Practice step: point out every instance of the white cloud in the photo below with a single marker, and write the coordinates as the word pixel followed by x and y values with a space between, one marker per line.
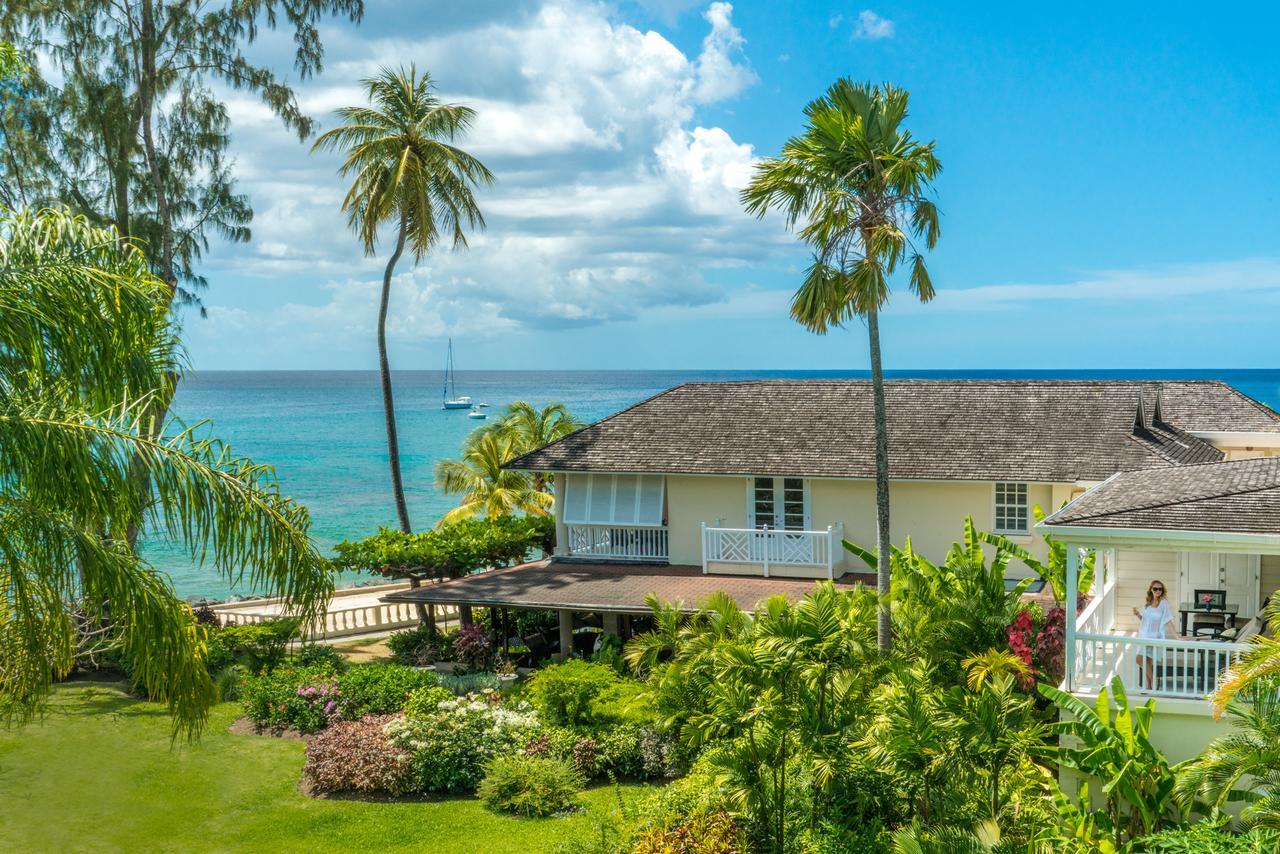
pixel 611 197
pixel 835 21
pixel 872 26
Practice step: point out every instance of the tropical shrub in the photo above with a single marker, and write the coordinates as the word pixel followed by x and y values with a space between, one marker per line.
pixel 563 693
pixel 320 655
pixel 423 702
pixel 609 653
pixel 449 749
pixel 356 756
pixel 660 754
pixel 625 701
pixel 420 646
pixel 227 683
pixel 1137 782
pixel 703 833
pixel 1207 839
pixel 473 649
pixel 463 684
pixel 529 786
pixel 1242 766
pixel 305 699
pixel 260 646
pixel 379 689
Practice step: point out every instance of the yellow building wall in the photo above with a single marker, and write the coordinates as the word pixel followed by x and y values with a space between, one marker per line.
pixel 1270 576
pixel 693 500
pixel 931 513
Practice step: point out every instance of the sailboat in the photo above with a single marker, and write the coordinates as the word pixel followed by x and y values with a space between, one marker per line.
pixel 450 397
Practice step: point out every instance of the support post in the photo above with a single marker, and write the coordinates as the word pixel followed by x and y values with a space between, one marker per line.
pixel 566 635
pixel 464 615
pixel 431 621
pixel 704 548
pixel 831 553
pixel 1071 596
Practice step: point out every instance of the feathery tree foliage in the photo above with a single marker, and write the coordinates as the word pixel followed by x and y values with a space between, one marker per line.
pixel 1257 665
pixel 859 183
pixel 407 172
pixel 1244 766
pixel 488 489
pixel 126 129
pixel 86 347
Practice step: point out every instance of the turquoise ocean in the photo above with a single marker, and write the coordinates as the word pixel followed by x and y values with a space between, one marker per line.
pixel 323 432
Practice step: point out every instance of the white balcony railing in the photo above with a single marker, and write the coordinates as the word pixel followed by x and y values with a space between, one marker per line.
pixel 620 542
pixel 768 547
pixel 1166 668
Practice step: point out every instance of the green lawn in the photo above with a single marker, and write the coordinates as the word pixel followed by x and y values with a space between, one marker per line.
pixel 99 774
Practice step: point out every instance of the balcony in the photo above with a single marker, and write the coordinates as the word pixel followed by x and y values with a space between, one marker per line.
pixel 766 551
pixel 618 542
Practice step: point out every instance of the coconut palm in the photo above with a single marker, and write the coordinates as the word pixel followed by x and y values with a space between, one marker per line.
pixel 485 487
pixel 1244 765
pixel 407 173
pixel 86 350
pixel 532 428
pixel 858 183
pixel 1260 662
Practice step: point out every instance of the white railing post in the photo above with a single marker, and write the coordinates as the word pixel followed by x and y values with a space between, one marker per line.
pixel 831 553
pixel 1069 646
pixel 706 544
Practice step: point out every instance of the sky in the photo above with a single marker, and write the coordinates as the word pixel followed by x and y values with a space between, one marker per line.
pixel 1108 195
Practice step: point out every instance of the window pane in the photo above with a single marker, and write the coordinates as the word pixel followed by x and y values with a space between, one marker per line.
pixel 649 511
pixel 575 498
pixel 601 498
pixel 624 505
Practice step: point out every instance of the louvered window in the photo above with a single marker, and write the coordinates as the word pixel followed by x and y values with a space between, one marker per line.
pixel 614 499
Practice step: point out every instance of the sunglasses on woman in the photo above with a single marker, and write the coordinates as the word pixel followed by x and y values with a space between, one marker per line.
pixel 1157 589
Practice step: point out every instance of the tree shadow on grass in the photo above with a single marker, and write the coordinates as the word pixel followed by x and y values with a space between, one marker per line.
pixel 86 698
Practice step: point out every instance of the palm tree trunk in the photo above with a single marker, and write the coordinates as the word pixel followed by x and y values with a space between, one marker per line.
pixel 388 399
pixel 883 552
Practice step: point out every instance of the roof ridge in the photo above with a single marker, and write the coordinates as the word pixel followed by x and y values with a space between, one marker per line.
pixel 1257 404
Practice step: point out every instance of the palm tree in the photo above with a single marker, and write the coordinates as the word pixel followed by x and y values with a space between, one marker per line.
pixel 487 489
pixel 1241 766
pixel 859 182
pixel 1259 663
pixel 86 350
pixel 531 428
pixel 407 172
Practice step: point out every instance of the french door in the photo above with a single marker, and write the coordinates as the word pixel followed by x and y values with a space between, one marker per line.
pixel 776 505
pixel 1236 573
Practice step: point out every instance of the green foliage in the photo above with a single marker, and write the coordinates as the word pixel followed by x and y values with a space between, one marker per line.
pixel 1242 766
pixel 1137 782
pixel 424 702
pixel 305 699
pixel 1208 839
pixel 321 655
pixel 704 833
pixel 450 551
pixel 449 749
pixel 624 702
pixel 1055 570
pixel 420 646
pixel 257 646
pixel 227 682
pixel 87 358
pixel 563 693
pixel 529 786
pixel 609 653
pixel 379 689
pixel 464 684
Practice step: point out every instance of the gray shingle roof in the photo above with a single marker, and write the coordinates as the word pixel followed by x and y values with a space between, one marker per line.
pixel 1027 430
pixel 1241 496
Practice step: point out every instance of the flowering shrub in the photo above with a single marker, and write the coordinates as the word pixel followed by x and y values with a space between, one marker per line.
pixel 605 751
pixel 379 689
pixel 449 749
pixel 426 701
pixel 660 754
pixel 304 698
pixel 529 786
pixel 356 756
pixel 1020 635
pixel 471 646
pixel 1039 645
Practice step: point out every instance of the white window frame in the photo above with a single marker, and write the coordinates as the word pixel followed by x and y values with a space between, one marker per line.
pixel 997 504
pixel 778 493
pixel 610 482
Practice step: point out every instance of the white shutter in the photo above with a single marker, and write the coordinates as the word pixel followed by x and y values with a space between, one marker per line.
pixel 626 494
pixel 575 497
pixel 649 500
pixel 600 499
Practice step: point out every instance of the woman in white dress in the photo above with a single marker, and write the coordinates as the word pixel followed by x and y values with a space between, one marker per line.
pixel 1155 620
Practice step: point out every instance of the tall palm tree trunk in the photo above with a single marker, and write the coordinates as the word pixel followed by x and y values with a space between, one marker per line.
pixel 388 398
pixel 883 553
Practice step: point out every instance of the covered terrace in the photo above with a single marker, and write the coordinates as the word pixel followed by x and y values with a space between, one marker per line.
pixel 601 594
pixel 1211 533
